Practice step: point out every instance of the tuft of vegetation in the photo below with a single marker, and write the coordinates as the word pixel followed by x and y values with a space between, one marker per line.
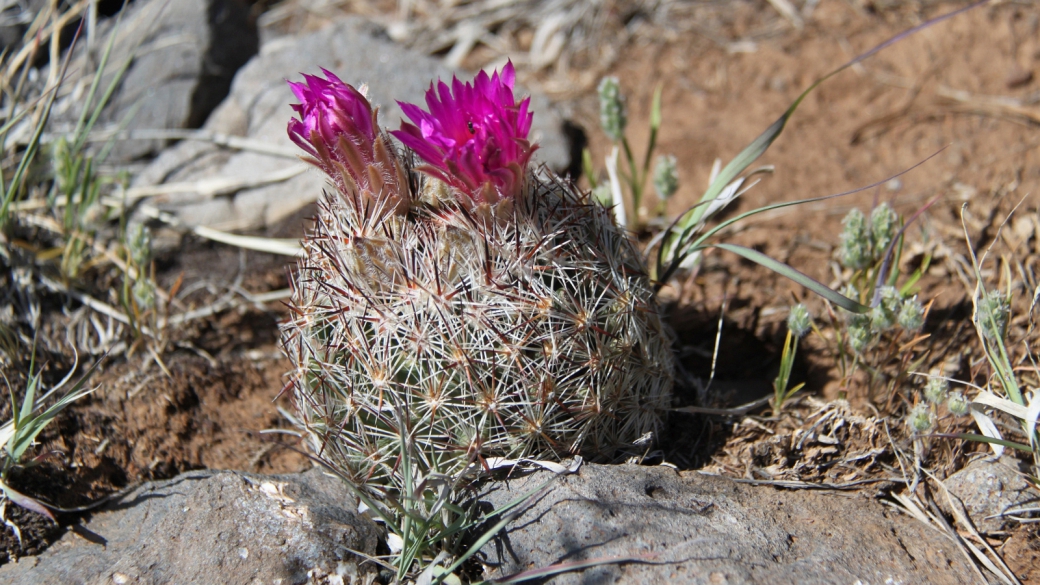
pixel 28 420
pixel 625 187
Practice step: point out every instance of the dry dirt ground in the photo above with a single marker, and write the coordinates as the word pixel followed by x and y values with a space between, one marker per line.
pixel 962 94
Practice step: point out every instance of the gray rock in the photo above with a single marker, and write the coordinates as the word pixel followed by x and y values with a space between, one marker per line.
pixel 258 108
pixel 692 528
pixel 990 487
pixel 213 527
pixel 185 54
pixel 15 16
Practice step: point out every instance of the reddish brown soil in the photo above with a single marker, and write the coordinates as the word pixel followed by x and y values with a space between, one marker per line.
pixel 204 407
pixel 861 127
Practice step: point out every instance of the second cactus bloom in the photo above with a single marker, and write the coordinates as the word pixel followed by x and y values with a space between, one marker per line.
pixel 474 137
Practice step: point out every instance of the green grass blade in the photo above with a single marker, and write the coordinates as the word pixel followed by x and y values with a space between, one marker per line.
pixel 513 511
pixel 81 139
pixel 568 566
pixel 799 277
pixel 587 169
pixel 915 276
pixel 34 143
pixel 700 242
pixel 655 125
pixel 985 439
pixel 28 427
pixel 79 133
pixel 28 401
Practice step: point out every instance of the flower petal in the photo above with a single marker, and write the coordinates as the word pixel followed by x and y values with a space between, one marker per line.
pixel 474 133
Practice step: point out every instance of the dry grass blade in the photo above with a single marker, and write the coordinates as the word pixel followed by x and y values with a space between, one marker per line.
pixel 788 11
pixel 1000 106
pixel 908 503
pixel 988 398
pixel 209 188
pixel 283 247
pixel 13 67
pixel 217 138
pixel 991 560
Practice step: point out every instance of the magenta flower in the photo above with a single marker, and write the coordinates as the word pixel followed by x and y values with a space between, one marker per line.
pixel 474 137
pixel 338 129
pixel 331 109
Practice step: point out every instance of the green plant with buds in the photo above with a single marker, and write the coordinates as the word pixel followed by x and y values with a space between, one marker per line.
pixel 139 295
pixel 799 323
pixel 77 183
pixel 666 180
pixel 936 390
pixel 613 115
pixel 931 401
pixel 630 180
pixel 991 314
pixel 1004 391
pixel 920 419
pixel 880 341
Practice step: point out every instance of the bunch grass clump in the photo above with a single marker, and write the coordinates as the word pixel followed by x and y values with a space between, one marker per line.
pixel 881 342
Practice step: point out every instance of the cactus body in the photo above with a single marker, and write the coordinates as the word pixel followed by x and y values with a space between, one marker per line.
pixel 453 331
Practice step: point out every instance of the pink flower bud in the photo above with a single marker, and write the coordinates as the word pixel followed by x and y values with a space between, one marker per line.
pixel 338 129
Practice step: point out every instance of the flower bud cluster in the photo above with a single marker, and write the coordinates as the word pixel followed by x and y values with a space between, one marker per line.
pixel 144 293
pixel 139 244
pixel 612 116
pixel 958 404
pixel 992 310
pixel 936 390
pixel 884 224
pixel 920 419
pixel 860 333
pixel 891 311
pixel 666 176
pixel 855 241
pixel 911 315
pixel 799 321
pixel 863 242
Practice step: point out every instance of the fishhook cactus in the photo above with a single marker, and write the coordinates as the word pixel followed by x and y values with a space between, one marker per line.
pixel 467 309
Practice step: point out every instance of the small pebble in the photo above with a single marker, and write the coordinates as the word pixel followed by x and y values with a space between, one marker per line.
pixel 1018 77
